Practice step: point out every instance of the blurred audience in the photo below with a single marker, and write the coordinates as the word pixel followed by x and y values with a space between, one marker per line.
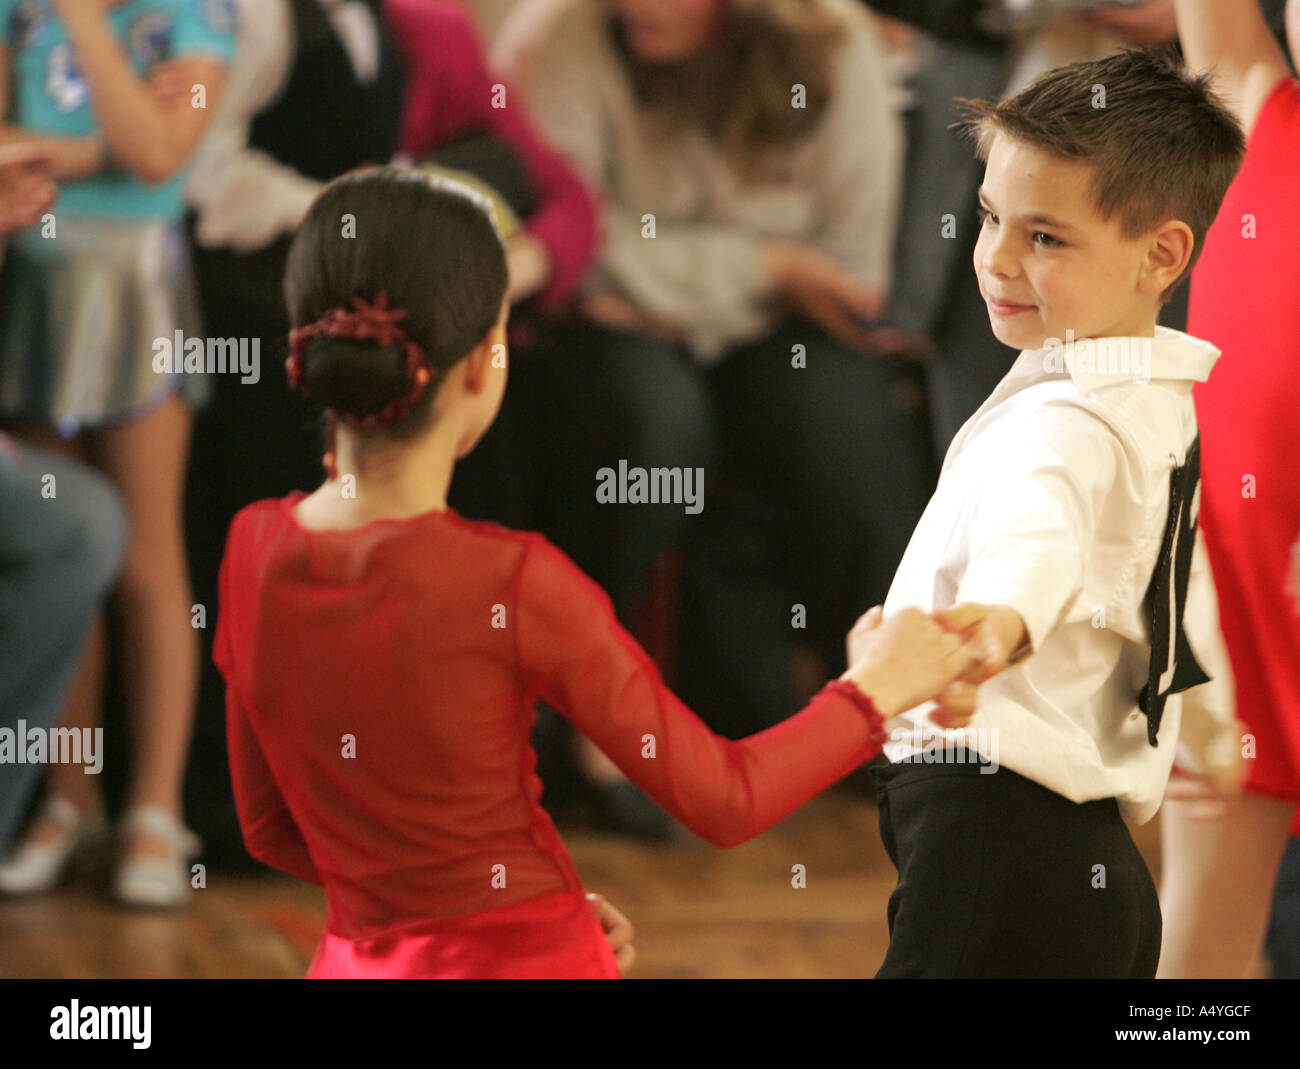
pixel 58 554
pixel 86 293
pixel 749 162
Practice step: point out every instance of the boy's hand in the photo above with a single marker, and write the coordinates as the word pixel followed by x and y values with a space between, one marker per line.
pixel 996 632
pixel 908 659
pixel 618 930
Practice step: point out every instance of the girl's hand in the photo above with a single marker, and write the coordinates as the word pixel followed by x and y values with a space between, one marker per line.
pixel 1206 794
pixel 170 82
pixel 908 659
pixel 26 190
pixel 618 930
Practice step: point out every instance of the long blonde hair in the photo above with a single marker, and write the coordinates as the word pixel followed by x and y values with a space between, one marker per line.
pixel 739 91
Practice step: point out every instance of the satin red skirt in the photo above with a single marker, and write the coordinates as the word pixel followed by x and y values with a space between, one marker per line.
pixel 555 937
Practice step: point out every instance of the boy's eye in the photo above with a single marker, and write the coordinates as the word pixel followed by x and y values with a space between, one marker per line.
pixel 985 216
pixel 1047 239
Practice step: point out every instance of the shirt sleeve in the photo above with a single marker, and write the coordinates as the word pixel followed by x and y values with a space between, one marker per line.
pixel 244 198
pixel 205 26
pixel 1036 514
pixel 270 832
pixel 574 654
pixel 1209 731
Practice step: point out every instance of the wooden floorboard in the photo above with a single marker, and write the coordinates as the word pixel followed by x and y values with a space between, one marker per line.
pixel 699 911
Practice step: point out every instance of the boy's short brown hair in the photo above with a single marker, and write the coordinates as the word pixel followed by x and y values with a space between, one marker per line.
pixel 1161 143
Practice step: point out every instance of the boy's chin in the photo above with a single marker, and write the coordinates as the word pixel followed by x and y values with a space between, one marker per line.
pixel 1028 336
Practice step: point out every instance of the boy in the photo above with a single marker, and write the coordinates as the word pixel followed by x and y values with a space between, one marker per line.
pixel 1063 528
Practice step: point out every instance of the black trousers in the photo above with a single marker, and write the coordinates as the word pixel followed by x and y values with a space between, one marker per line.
pixel 1001 877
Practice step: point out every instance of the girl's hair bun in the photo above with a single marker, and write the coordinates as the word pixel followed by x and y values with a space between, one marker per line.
pixel 354 377
pixel 386 243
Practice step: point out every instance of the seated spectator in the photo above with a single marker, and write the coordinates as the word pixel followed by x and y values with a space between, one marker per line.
pixel 749 161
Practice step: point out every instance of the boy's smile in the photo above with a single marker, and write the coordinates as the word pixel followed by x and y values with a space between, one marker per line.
pixel 1048 263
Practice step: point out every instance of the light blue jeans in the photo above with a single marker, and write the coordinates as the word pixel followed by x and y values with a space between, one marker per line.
pixel 59 554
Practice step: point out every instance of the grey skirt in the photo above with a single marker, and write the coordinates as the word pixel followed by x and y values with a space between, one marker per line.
pixel 84 317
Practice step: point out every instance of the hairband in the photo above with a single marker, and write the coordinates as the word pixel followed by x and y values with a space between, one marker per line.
pixel 368 321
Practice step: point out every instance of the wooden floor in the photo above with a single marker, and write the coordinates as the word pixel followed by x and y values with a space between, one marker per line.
pixel 699 911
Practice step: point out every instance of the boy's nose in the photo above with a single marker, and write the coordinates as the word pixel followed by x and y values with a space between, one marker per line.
pixel 998 258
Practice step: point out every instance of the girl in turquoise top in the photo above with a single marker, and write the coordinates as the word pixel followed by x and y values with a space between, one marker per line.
pixel 86 293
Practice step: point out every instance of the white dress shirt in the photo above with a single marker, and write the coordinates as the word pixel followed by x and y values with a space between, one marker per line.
pixel 1053 500
pixel 245 199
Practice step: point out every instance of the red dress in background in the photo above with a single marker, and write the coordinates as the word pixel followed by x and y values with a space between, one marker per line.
pixel 380 689
pixel 1245 299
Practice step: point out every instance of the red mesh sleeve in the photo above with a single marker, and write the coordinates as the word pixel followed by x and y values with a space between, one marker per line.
pixel 576 656
pixel 270 832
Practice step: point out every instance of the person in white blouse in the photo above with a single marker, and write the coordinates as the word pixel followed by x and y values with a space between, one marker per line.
pixel 1063 528
pixel 244 197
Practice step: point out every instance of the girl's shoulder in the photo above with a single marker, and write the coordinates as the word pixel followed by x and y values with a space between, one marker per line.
pixel 277 517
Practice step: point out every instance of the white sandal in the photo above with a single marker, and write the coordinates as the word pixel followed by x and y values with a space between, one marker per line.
pixel 37 867
pixel 156 881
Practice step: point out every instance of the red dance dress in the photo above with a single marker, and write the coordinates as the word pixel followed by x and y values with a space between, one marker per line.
pixel 380 689
pixel 1244 299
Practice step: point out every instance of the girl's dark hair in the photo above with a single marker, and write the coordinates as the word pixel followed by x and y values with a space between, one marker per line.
pixel 432 245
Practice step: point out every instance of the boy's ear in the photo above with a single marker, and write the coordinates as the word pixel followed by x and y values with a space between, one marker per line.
pixel 1168 255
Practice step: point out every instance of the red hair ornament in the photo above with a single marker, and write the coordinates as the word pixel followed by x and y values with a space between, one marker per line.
pixel 367 321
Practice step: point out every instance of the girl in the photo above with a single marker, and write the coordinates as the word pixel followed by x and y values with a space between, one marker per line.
pixel 86 296
pixel 382 655
pixel 1219 873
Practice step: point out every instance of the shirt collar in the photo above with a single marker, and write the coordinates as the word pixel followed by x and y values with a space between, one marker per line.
pixel 1096 362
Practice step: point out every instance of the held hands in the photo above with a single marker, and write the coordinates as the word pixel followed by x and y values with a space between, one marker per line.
pixel 912 658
